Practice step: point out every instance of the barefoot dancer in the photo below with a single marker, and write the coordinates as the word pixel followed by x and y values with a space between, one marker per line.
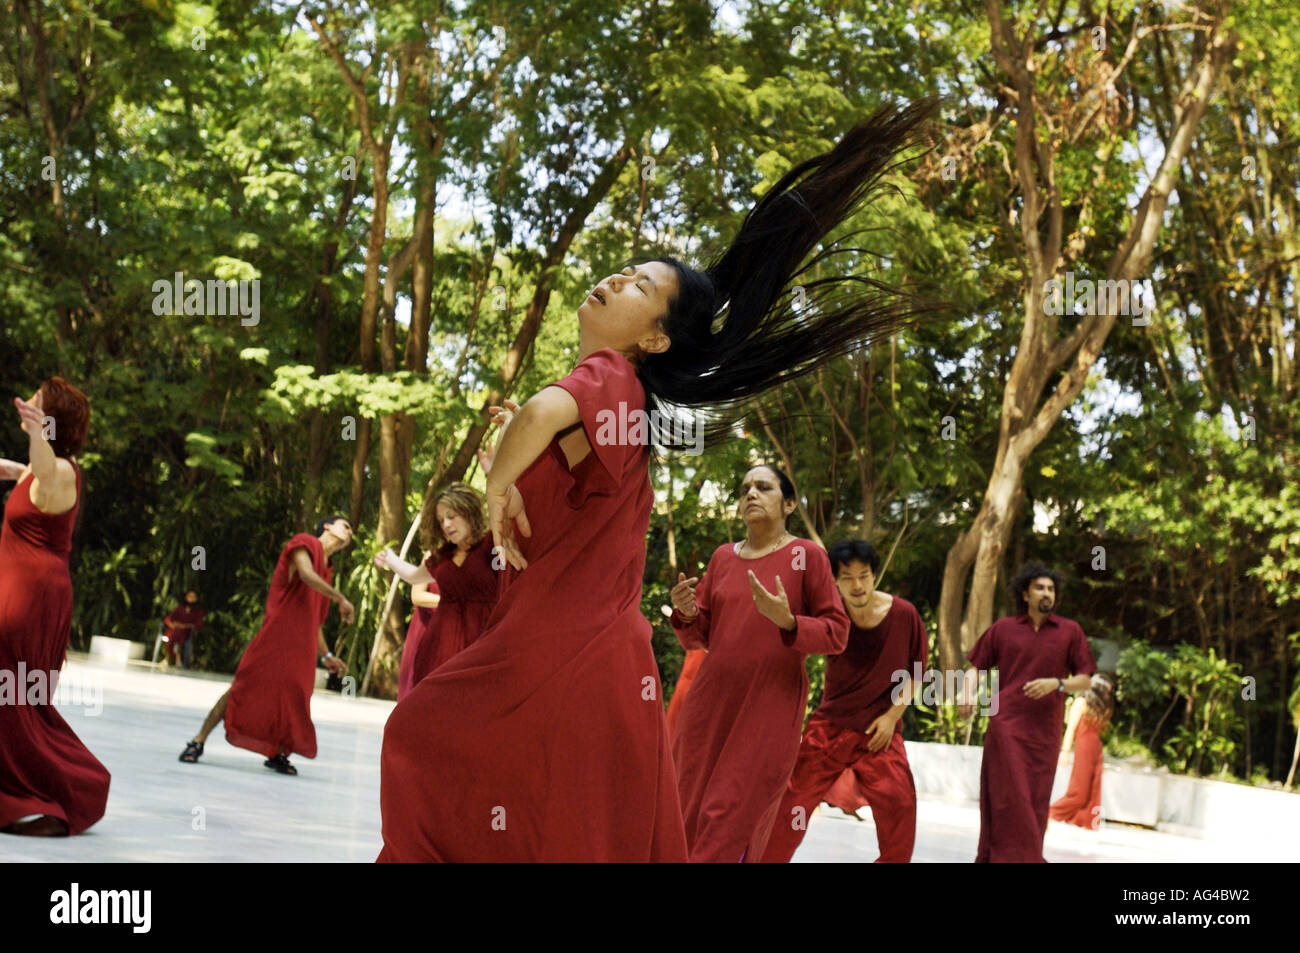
pixel 764 605
pixel 1040 657
pixel 546 738
pixel 49 783
pixel 267 708
pixel 461 568
pixel 857 728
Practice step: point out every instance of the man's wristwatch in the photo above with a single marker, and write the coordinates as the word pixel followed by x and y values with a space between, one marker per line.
pixel 1060 685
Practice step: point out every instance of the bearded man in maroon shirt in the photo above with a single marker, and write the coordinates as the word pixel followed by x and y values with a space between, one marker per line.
pixel 1040 657
pixel 852 751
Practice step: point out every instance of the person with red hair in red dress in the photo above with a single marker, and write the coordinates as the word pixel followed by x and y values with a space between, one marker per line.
pixel 50 785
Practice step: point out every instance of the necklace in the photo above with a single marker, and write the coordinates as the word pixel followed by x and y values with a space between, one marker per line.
pixel 773 548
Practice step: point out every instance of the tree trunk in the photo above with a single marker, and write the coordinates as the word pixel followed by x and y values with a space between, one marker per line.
pixel 1041 351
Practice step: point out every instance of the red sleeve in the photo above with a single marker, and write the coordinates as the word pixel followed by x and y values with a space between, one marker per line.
pixel 198 619
pixel 694 634
pixel 1080 659
pixel 824 630
pixel 611 402
pixel 984 654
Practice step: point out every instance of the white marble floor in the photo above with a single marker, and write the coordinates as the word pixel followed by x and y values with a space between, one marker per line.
pixel 228 807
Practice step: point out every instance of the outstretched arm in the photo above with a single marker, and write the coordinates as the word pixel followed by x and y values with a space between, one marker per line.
pixel 54 482
pixel 416 575
pixel 302 563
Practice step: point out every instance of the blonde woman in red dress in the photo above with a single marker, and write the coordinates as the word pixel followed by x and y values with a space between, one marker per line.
pixel 460 570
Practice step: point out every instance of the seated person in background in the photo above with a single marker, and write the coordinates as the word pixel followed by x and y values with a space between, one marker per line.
pixel 182 624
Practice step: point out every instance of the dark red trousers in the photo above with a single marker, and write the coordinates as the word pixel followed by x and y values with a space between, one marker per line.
pixel 882 779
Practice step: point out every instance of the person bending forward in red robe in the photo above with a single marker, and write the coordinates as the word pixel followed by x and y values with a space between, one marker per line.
pixel 267 708
pixel 1040 657
pixel 857 729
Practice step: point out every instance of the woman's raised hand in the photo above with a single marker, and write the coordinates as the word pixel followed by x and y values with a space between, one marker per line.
pixel 683 596
pixel 383 560
pixel 505 515
pixel 500 416
pixel 30 417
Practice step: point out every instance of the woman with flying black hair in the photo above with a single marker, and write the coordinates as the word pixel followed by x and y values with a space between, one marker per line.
pixel 546 738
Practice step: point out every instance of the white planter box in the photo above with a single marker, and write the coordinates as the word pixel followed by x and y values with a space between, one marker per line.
pixel 115 651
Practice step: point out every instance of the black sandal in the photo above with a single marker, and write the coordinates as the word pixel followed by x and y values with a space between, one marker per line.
pixel 281 764
pixel 192 751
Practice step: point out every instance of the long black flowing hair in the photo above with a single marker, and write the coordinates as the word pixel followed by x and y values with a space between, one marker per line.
pixel 747 321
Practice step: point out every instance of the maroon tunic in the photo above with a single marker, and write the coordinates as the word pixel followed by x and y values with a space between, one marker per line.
pixel 44 767
pixel 420 620
pixel 545 740
pixel 269 708
pixel 179 622
pixel 1024 737
pixel 835 762
pixel 468 593
pixel 738 736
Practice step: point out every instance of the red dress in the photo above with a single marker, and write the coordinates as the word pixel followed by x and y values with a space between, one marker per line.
pixel 545 740
pixel 420 620
pixel 269 708
pixel 1081 802
pixel 468 592
pixel 44 767
pixel 738 736
pixel 690 668
pixel 1024 735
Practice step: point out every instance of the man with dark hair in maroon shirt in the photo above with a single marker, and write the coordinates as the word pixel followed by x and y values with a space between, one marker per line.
pixel 1040 657
pixel 858 729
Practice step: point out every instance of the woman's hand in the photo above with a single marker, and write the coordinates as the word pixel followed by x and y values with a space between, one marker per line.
pixel 683 596
pixel 30 417
pixel 501 416
pixel 383 560
pixel 505 514
pixel 772 605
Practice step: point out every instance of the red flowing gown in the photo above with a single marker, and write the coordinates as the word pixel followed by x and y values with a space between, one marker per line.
pixel 690 668
pixel 468 593
pixel 738 737
pixel 1081 802
pixel 545 740
pixel 1024 736
pixel 44 767
pixel 420 620
pixel 269 708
